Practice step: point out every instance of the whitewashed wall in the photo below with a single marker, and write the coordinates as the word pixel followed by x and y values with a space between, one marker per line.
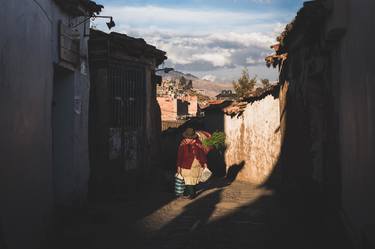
pixel 254 138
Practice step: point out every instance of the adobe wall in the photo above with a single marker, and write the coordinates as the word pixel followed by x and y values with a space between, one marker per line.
pixel 254 138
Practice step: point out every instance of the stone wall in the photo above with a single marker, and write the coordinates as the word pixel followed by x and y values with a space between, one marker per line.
pixel 254 138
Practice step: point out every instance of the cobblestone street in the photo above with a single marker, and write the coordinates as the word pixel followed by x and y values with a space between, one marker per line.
pixel 223 216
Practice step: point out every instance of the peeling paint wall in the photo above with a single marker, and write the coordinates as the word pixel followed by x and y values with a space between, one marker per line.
pixel 254 138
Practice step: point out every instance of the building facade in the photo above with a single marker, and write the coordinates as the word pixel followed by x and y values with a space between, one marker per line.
pixel 173 109
pixel 328 109
pixel 44 90
pixel 177 102
pixel 125 122
pixel 252 135
pixel 226 95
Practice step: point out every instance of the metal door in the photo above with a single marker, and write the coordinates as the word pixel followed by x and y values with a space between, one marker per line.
pixel 127 85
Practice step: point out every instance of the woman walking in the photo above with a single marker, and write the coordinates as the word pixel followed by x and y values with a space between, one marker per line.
pixel 191 160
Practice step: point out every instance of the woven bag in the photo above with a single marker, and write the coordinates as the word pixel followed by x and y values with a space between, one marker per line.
pixel 179 186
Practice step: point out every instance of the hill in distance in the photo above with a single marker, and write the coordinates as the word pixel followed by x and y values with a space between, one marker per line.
pixel 176 75
pixel 210 88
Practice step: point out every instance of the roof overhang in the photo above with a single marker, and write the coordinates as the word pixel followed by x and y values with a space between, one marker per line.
pixel 80 7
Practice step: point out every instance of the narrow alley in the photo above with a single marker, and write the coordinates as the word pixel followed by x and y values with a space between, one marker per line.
pixel 225 215
pixel 161 124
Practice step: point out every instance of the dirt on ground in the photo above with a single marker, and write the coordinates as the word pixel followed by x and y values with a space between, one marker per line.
pixel 225 215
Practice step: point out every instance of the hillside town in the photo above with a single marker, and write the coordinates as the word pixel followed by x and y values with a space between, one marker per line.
pixel 179 101
pixel 103 146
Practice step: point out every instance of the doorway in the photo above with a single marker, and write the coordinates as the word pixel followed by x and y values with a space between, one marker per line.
pixel 62 134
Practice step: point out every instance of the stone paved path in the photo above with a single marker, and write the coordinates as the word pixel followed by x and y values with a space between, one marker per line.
pixel 223 216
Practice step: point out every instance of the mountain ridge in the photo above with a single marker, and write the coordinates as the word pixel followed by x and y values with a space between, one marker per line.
pixel 211 88
pixel 176 75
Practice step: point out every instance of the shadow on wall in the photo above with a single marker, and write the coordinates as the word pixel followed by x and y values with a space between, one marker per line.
pixel 216 163
pixel 288 211
pixel 292 178
pixel 306 213
pixel 234 170
pixel 271 216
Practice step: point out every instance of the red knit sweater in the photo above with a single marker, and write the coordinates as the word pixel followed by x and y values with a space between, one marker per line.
pixel 190 149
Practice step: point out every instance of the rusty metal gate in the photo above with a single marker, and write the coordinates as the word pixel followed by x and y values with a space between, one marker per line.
pixel 127 86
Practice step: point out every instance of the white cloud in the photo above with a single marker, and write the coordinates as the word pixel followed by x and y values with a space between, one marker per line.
pixel 141 15
pixel 217 50
pixel 253 61
pixel 201 40
pixel 217 59
pixel 198 21
pixel 209 77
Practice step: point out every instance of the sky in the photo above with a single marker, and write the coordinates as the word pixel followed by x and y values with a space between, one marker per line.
pixel 212 39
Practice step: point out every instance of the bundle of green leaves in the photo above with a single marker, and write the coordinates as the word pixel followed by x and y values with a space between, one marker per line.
pixel 217 140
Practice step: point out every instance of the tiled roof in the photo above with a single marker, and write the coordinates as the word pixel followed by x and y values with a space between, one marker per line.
pixel 131 46
pixel 216 105
pixel 233 108
pixel 215 102
pixel 261 93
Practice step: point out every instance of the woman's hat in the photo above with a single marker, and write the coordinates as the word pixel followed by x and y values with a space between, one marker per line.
pixel 189 133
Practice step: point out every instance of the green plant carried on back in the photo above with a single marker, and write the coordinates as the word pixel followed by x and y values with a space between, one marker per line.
pixel 217 140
